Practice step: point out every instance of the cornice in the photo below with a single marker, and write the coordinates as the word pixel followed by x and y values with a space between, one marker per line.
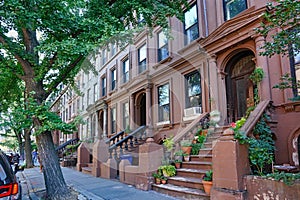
pixel 229 30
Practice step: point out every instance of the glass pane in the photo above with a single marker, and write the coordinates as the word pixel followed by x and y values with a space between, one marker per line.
pixel 234 7
pixel 163 95
pixel 142 53
pixel 192 33
pixel 190 17
pixel 162 40
pixel 163 53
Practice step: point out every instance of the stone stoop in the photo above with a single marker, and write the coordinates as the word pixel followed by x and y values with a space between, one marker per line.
pixel 187 184
pixel 88 169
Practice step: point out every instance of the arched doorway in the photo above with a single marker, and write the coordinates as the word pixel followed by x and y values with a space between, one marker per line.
pixel 100 124
pixel 239 89
pixel 141 110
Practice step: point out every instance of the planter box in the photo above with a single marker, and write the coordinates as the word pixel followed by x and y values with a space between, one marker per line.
pixel 261 188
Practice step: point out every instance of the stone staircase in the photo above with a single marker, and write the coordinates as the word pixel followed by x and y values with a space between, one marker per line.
pixel 88 168
pixel 187 184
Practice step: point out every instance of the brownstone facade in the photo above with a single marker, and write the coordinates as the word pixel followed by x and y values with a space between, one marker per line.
pixel 205 67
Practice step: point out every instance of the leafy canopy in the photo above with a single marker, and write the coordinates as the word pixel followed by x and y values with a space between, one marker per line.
pixel 49 40
pixel 282 15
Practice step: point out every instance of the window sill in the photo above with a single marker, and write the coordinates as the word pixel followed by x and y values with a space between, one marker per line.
pixel 168 59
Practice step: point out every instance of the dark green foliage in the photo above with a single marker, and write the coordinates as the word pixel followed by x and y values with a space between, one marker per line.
pixel 282 15
pixel 287 178
pixel 261 148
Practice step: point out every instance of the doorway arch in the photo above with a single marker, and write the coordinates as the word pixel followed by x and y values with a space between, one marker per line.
pixel 141 109
pixel 239 89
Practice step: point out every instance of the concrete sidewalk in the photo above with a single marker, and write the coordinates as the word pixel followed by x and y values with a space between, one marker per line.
pixel 89 187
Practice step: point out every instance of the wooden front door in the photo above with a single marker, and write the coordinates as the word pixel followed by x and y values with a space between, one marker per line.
pixel 239 89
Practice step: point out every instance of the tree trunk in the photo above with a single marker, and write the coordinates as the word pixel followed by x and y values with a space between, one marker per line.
pixel 56 187
pixel 28 150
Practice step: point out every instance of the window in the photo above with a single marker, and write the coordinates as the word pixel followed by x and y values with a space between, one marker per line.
pixel 233 7
pixel 103 56
pixel 163 103
pixel 125 115
pixel 88 97
pixel 142 58
pixel 191 25
pixel 126 70
pixel 103 83
pixel 193 90
pixel 163 51
pixel 113 79
pixel 113 120
pixel 95 93
pixel 82 102
pixel 295 70
pixel 113 49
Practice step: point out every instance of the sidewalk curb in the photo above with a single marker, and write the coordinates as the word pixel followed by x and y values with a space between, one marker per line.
pixel 31 192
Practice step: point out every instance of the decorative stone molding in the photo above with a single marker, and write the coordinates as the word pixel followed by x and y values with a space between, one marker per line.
pixel 292 106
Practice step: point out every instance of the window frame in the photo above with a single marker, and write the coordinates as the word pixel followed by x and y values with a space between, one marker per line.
pixel 126 74
pixel 226 12
pixel 103 86
pixel 195 25
pixel 161 108
pixel 113 79
pixel 293 64
pixel 188 103
pixel 142 64
pixel 163 47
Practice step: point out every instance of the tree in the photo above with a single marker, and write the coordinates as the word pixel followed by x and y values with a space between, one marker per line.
pixel 45 43
pixel 283 18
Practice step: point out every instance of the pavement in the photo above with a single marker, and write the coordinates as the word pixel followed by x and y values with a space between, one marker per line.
pixel 88 187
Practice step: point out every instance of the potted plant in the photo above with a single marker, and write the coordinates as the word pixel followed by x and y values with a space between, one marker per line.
pixel 164 179
pixel 168 170
pixel 178 155
pixel 207 181
pixel 186 157
pixel 186 146
pixel 157 178
pixel 178 163
pixel 168 143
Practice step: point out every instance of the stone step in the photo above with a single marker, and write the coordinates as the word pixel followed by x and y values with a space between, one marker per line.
pixel 180 192
pixel 189 182
pixel 190 173
pixel 205 151
pixel 197 165
pixel 200 157
pixel 86 170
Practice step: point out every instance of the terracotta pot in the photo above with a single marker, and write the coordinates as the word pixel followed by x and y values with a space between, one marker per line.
pixel 163 181
pixel 207 186
pixel 157 181
pixel 177 165
pixel 186 150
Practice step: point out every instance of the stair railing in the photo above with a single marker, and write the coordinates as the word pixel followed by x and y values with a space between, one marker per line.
pixel 63 146
pixel 116 138
pixel 189 131
pixel 255 116
pixel 131 140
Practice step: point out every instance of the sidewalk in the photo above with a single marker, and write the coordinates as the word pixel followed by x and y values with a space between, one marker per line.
pixel 89 187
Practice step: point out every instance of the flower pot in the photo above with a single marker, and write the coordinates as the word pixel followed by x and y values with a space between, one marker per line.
pixel 186 150
pixel 177 165
pixel 163 181
pixel 186 158
pixel 207 186
pixel 157 181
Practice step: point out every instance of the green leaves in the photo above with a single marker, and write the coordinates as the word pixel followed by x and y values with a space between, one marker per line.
pixel 283 16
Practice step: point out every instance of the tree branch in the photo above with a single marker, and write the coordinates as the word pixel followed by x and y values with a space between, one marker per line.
pixel 64 74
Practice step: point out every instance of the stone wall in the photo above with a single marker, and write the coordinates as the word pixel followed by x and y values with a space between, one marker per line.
pixel 260 189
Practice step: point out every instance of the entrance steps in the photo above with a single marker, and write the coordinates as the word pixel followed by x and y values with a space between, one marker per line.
pixel 187 184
